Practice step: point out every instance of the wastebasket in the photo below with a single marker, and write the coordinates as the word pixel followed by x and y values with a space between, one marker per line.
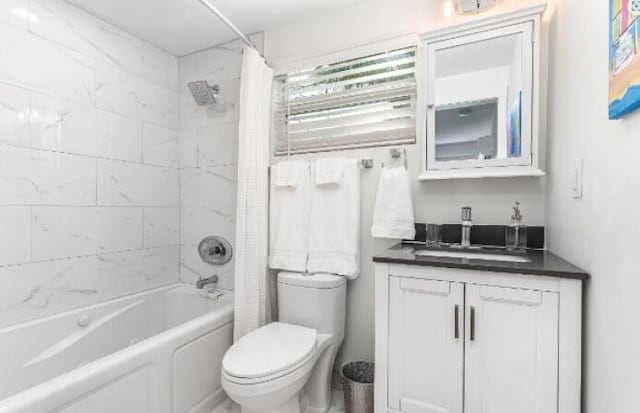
pixel 358 386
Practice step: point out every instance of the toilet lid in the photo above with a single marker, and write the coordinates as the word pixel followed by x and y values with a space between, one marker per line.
pixel 269 350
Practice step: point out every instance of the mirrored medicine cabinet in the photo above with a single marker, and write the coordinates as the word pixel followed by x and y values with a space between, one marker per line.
pixel 481 97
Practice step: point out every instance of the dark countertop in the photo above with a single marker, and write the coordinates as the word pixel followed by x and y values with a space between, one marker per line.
pixel 543 263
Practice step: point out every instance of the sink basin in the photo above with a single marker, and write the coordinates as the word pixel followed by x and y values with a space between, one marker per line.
pixel 471 255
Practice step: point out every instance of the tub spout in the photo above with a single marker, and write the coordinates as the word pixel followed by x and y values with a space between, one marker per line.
pixel 202 282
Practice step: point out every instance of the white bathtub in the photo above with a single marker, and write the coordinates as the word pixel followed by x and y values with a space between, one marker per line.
pixel 155 352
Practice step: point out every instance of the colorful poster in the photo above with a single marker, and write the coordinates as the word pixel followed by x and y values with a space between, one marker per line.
pixel 624 57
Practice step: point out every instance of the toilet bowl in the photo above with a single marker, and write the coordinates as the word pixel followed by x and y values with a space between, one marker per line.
pixel 271 368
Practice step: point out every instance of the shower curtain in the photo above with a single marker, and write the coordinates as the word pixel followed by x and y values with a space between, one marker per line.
pixel 251 275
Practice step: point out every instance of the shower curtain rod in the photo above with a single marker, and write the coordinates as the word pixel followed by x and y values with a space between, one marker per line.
pixel 213 9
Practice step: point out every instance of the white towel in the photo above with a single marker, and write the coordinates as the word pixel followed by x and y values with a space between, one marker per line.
pixel 329 171
pixel 393 213
pixel 289 218
pixel 288 173
pixel 334 225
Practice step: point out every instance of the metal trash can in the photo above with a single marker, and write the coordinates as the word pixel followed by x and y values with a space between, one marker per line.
pixel 358 386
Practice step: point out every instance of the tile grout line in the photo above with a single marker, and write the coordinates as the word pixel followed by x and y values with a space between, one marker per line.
pixel 93 254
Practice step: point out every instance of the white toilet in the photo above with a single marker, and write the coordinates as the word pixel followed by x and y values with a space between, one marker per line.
pixel 265 371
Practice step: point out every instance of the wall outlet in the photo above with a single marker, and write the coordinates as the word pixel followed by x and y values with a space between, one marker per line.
pixel 577 172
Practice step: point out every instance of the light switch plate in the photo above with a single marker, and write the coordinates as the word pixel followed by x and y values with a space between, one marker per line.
pixel 577 173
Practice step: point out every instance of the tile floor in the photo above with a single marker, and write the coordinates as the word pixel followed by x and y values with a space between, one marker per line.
pixel 230 407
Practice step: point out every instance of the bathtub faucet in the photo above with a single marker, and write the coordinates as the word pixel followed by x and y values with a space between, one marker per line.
pixel 202 282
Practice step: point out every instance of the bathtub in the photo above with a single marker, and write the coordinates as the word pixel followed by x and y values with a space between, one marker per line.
pixel 155 352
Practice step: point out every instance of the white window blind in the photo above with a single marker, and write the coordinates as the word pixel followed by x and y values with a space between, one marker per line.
pixel 368 101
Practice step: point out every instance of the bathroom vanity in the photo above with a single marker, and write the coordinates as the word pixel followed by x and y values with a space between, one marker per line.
pixel 462 331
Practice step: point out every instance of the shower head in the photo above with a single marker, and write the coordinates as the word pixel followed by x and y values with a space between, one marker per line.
pixel 203 93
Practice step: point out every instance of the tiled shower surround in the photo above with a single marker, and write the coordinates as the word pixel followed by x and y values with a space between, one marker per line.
pixel 92 172
pixel 208 157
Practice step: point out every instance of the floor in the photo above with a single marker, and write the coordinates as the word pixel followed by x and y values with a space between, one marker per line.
pixel 337 406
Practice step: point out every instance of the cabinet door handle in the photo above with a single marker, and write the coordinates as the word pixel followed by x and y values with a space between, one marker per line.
pixel 456 322
pixel 472 321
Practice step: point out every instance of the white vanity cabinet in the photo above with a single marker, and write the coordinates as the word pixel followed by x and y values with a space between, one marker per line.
pixel 511 350
pixel 453 341
pixel 426 351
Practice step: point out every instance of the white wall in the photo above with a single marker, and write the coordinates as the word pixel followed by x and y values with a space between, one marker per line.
pixel 599 232
pixel 88 161
pixel 344 32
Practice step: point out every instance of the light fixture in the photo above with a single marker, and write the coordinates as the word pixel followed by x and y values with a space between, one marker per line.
pixel 474 6
pixel 448 9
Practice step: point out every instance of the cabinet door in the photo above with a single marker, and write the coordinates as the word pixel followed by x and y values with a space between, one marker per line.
pixel 425 350
pixel 511 350
pixel 465 76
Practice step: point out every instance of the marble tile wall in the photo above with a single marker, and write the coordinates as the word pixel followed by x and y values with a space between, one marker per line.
pixel 89 161
pixel 208 139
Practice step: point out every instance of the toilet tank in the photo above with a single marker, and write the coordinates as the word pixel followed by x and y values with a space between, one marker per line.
pixel 316 301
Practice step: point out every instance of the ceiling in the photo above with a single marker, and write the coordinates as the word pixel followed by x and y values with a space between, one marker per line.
pixel 185 26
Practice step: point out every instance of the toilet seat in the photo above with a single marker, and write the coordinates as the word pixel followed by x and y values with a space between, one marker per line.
pixel 269 352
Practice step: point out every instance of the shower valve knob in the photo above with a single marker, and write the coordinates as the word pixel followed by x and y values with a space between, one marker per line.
pixel 215 250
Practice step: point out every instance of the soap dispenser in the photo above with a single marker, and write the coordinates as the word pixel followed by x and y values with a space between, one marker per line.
pixel 516 236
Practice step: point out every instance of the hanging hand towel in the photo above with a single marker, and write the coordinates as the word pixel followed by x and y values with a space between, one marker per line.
pixel 289 217
pixel 334 224
pixel 288 173
pixel 329 171
pixel 393 213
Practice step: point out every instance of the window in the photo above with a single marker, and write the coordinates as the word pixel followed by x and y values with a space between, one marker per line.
pixel 363 102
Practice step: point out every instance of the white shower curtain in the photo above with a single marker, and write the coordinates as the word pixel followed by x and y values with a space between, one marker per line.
pixel 251 275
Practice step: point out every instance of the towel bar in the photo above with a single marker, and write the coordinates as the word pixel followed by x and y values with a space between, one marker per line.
pixel 366 163
pixel 397 153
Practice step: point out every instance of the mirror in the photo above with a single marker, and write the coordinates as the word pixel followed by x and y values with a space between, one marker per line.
pixel 481 97
pixel 478 100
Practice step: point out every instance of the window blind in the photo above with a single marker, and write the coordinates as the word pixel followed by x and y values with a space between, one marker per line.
pixel 368 101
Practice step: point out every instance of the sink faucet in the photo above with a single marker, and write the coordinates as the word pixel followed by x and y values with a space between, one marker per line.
pixel 202 282
pixel 465 241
